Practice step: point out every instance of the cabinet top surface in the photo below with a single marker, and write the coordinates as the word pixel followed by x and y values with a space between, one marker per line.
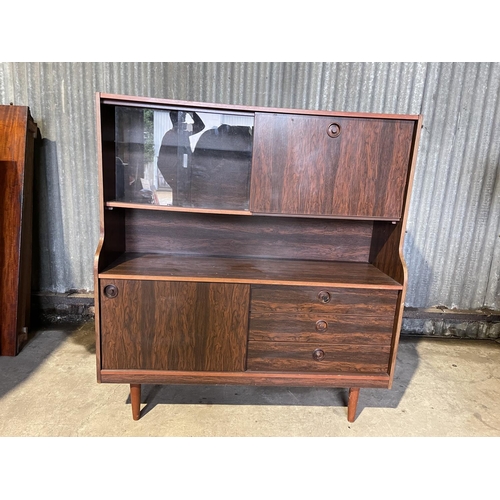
pixel 127 100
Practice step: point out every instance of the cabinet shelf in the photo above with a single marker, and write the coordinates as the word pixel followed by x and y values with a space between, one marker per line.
pixel 166 267
pixel 168 208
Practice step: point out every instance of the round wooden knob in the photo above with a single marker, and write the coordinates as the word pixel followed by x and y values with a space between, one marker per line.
pixel 321 325
pixel 318 354
pixel 333 130
pixel 324 296
pixel 110 291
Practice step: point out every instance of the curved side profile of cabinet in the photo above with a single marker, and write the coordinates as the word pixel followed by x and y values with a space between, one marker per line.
pixel 270 255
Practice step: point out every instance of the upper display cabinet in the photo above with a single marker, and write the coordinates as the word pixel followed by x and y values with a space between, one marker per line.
pixel 196 156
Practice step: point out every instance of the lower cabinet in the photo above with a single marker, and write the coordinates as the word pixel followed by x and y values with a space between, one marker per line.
pixel 158 331
pixel 223 327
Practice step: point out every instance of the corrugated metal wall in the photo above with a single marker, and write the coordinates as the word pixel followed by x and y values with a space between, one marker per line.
pixel 453 241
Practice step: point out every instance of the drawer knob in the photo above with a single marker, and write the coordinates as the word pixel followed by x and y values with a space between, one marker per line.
pixel 324 296
pixel 318 354
pixel 321 325
pixel 333 130
pixel 110 291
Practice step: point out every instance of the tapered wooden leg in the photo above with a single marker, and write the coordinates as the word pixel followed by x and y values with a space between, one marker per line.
pixel 135 398
pixel 352 403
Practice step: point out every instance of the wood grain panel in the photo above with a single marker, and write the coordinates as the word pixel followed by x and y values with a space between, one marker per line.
pixel 299 169
pixel 247 270
pixel 174 326
pixel 292 172
pixel 17 143
pixel 258 378
pixel 226 235
pixel 10 227
pixel 339 329
pixel 387 247
pixel 291 299
pixel 298 357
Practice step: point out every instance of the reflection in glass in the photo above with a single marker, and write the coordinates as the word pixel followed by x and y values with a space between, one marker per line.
pixel 183 158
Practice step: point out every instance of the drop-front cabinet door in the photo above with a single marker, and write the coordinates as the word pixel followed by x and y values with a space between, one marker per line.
pixel 163 325
pixel 317 165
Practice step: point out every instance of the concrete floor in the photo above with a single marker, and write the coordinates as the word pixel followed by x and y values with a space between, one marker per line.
pixel 442 387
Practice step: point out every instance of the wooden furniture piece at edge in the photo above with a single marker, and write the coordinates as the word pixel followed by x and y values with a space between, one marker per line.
pixel 17 141
pixel 371 238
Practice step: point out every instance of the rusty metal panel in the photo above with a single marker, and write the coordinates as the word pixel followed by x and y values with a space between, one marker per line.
pixel 452 245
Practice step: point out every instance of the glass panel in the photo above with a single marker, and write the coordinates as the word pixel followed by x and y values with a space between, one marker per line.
pixel 183 158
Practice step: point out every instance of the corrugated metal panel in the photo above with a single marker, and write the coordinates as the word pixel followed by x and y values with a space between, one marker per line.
pixel 452 246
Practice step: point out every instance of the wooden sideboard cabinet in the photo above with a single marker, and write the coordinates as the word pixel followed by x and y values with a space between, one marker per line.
pixel 18 134
pixel 250 245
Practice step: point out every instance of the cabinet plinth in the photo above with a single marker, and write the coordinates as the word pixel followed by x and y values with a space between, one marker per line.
pixel 249 245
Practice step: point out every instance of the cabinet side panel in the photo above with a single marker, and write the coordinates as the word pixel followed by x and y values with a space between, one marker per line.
pixel 112 234
pixel 386 251
pixel 174 326
pixel 10 227
pixel 16 154
pixel 23 322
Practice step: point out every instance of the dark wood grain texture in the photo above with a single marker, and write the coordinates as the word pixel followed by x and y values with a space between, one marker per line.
pixel 10 226
pixel 17 142
pixel 298 357
pixel 174 326
pixel 246 270
pixel 232 235
pixel 302 299
pixel 339 329
pixel 258 378
pixel 299 169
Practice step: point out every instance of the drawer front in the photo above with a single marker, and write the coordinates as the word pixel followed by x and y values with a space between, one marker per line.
pixel 323 328
pixel 298 299
pixel 317 357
